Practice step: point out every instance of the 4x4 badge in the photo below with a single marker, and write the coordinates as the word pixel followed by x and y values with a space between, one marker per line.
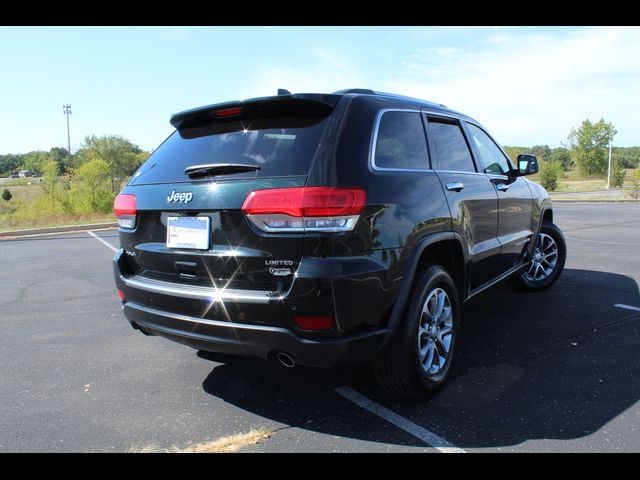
pixel 182 197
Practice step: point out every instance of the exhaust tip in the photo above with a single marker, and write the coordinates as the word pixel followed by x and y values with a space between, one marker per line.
pixel 285 359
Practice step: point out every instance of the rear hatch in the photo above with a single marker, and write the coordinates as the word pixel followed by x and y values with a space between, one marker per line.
pixel 281 136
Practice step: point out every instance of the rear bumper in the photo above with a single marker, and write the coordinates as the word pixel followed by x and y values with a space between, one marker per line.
pixel 254 340
pixel 152 307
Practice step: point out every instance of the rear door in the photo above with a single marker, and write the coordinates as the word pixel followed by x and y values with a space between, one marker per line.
pixel 281 140
pixel 471 196
pixel 515 202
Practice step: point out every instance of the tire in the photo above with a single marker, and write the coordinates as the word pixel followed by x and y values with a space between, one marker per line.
pixel 537 278
pixel 404 368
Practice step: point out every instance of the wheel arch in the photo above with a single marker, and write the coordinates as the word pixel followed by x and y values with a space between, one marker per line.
pixel 444 248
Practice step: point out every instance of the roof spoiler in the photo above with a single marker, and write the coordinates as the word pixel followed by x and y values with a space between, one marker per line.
pixel 208 113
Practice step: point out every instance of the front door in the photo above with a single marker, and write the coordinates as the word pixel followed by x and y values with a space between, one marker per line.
pixel 515 202
pixel 472 198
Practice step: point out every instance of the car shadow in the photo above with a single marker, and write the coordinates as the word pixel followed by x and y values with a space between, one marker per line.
pixel 558 364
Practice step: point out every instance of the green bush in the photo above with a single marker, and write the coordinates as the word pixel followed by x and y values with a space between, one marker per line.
pixel 91 188
pixel 550 172
pixel 617 174
pixel 6 195
pixel 635 185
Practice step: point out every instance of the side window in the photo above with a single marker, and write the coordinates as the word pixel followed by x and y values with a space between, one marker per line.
pixel 490 155
pixel 401 142
pixel 450 146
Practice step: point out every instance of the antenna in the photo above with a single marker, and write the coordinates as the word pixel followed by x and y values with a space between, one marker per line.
pixel 66 109
pixel 282 91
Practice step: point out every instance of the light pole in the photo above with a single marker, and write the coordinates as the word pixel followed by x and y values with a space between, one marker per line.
pixel 67 111
pixel 609 169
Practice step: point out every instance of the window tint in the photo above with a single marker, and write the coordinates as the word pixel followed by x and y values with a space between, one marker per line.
pixel 401 142
pixel 279 146
pixel 490 155
pixel 450 145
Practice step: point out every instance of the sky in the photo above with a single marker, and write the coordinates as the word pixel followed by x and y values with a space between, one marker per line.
pixel 526 85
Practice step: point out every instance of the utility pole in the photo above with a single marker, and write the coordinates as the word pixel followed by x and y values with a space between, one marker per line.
pixel 67 111
pixel 609 169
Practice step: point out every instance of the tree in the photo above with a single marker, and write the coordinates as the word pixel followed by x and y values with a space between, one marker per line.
pixel 542 152
pixel 91 187
pixel 121 156
pixel 35 161
pixel 9 163
pixel 629 157
pixel 549 174
pixel 50 178
pixel 513 152
pixel 618 173
pixel 61 155
pixel 589 144
pixel 635 185
pixel 6 195
pixel 562 156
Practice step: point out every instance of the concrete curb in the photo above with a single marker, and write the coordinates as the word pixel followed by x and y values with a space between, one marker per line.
pixel 54 230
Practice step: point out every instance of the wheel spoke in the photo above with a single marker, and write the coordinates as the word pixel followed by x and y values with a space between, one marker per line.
pixel 446 330
pixel 424 350
pixel 441 297
pixel 535 274
pixel 427 360
pixel 426 312
pixel 447 313
pixel 446 340
pixel 441 347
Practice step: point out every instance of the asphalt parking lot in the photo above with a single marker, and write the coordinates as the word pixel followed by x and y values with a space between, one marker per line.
pixel 547 372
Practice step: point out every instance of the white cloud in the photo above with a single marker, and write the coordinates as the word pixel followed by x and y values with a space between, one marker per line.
pixel 532 89
pixel 328 72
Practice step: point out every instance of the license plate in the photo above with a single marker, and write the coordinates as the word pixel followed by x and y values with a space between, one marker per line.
pixel 188 232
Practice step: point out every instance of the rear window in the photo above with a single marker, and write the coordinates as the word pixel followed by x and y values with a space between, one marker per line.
pixel 279 146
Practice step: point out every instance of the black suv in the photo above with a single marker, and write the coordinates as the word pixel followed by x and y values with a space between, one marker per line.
pixel 320 229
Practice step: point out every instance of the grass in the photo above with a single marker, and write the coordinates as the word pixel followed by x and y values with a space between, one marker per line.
pixel 58 220
pixel 26 195
pixel 574 181
pixel 229 444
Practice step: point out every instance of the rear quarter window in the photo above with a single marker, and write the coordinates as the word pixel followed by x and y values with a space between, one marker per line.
pixel 400 142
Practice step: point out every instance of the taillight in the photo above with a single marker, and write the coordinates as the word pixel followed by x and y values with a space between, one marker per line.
pixel 124 207
pixel 305 209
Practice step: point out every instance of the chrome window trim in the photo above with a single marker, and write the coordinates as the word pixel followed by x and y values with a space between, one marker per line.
pixel 374 140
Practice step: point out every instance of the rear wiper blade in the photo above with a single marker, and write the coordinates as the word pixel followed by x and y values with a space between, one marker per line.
pixel 212 169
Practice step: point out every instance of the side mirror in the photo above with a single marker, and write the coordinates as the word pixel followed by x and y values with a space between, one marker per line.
pixel 527 164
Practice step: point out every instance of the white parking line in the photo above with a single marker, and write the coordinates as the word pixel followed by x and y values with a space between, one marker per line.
pixel 107 244
pixel 627 307
pixel 408 426
pixel 600 241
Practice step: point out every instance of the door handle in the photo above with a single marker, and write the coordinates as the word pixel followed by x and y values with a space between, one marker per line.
pixel 455 186
pixel 503 187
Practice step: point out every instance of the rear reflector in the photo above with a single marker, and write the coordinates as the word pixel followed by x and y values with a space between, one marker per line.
pixel 302 209
pixel 124 208
pixel 314 323
pixel 121 295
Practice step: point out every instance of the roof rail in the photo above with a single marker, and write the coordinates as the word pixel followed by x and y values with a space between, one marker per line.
pixel 354 90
